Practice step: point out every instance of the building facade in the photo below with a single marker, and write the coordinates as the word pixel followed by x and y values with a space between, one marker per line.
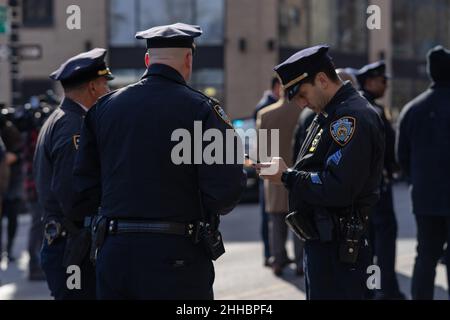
pixel 242 40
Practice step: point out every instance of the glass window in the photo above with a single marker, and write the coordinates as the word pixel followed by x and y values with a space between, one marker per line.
pixel 419 25
pixel 123 23
pixel 127 17
pixel 37 13
pixel 293 17
pixel 351 26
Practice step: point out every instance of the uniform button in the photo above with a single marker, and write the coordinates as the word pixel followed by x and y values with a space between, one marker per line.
pixel 350 250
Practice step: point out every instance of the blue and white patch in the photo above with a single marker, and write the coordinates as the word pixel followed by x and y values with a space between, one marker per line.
pixel 335 158
pixel 315 179
pixel 342 130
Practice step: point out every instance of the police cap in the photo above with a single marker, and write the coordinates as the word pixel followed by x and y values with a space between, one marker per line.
pixel 372 70
pixel 178 35
pixel 302 66
pixel 82 68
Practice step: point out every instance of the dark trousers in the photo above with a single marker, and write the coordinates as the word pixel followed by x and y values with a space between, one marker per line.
pixel 11 208
pixel 264 221
pixel 153 267
pixel 278 234
pixel 35 237
pixel 326 278
pixel 432 233
pixel 56 275
pixel 383 236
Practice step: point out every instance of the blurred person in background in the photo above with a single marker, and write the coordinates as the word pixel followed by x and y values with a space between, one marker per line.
pixel 373 81
pixel 423 151
pixel 281 116
pixel 13 195
pixel 269 97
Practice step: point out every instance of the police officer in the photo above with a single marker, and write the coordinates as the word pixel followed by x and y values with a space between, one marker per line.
pixel 84 78
pixel 157 229
pixel 335 182
pixel 423 151
pixel 383 224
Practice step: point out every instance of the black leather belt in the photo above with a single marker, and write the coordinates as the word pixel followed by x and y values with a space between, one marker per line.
pixel 131 226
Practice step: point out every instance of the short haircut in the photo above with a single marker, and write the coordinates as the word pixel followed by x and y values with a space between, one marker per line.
pixel 326 67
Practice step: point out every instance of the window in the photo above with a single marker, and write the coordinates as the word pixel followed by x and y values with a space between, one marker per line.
pixel 37 13
pixel 418 26
pixel 128 17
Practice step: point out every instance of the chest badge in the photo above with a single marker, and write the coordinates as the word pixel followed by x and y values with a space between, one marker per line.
pixel 76 141
pixel 342 130
pixel 316 141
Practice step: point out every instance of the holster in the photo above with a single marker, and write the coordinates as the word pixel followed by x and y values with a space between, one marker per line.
pixel 99 229
pixel 210 237
pixel 352 228
pixel 302 224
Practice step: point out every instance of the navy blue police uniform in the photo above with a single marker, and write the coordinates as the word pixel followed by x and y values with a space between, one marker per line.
pixel 54 157
pixel 383 223
pixel 423 151
pixel 152 204
pixel 334 183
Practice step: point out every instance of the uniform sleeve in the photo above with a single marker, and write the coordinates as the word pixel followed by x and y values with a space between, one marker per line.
pixel 403 144
pixel 63 155
pixel 221 184
pixel 346 172
pixel 86 172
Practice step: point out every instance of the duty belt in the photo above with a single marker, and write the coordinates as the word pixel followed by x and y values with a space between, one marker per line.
pixel 161 227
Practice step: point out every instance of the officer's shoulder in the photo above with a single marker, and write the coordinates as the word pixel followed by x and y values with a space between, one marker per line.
pixel 107 97
pixel 207 105
pixel 271 109
pixel 358 107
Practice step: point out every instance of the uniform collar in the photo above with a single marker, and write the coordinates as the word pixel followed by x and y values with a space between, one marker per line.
pixel 70 105
pixel 344 92
pixel 368 96
pixel 163 70
pixel 441 84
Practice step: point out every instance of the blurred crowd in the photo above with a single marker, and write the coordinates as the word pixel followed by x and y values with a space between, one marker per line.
pixel 19 128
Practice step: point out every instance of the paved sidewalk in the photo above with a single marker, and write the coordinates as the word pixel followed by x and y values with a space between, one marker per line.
pixel 239 273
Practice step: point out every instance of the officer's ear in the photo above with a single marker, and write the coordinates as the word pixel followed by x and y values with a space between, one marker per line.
pixel 322 80
pixel 147 59
pixel 188 58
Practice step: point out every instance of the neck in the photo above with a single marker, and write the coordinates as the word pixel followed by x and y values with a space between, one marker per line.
pixel 174 65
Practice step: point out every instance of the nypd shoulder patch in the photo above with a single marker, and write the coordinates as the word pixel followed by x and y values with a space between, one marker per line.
pixel 76 141
pixel 342 130
pixel 222 115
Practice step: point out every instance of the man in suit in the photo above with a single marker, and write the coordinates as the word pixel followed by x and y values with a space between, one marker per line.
pixel 281 116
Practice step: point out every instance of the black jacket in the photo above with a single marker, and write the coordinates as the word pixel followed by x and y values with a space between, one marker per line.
pixel 341 160
pixel 54 158
pixel 125 165
pixel 390 163
pixel 423 149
